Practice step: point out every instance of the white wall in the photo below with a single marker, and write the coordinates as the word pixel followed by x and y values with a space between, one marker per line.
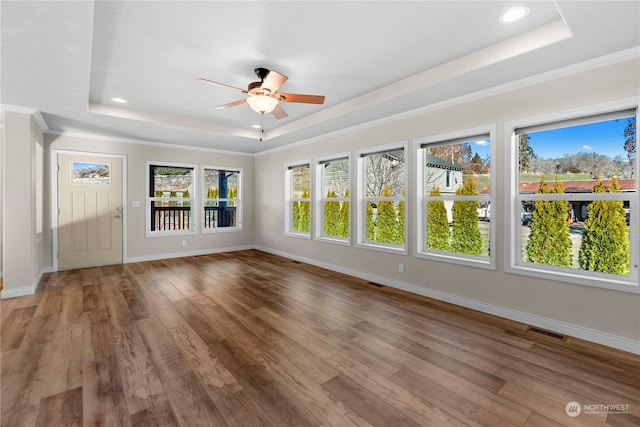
pixel 602 315
pixel 1 191
pixel 139 247
pixel 23 249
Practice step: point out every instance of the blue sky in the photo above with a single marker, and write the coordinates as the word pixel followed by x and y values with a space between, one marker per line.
pixel 601 138
pixel 79 165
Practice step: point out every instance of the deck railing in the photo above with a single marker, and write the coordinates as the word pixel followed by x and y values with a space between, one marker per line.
pixel 168 218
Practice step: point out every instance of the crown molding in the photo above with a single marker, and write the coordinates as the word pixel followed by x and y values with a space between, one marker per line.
pixel 27 110
pixel 603 61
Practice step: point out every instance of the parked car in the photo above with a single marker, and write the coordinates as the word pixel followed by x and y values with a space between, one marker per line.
pixel 526 217
pixel 484 212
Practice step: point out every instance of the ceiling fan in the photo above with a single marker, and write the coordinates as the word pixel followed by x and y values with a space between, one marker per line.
pixel 263 95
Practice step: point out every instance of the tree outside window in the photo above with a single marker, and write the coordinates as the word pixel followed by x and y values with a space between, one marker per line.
pixel 581 222
pixel 299 201
pixel 221 207
pixel 334 198
pixel 454 194
pixel 384 182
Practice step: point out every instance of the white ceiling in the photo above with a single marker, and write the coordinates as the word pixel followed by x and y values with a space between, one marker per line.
pixel 370 59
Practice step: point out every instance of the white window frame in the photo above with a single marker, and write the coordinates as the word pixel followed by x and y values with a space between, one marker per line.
pixel 321 198
pixel 193 199
pixel 421 251
pixel 361 198
pixel 237 200
pixel 288 177
pixel 513 262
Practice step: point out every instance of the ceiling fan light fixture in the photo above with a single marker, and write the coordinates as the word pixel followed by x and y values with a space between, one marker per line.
pixel 262 103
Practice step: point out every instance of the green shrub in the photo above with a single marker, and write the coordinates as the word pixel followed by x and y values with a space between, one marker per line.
pixel 465 233
pixel 437 223
pixel 605 241
pixel 549 240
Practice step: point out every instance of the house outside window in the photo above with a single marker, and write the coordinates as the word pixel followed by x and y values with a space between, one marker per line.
pixel 298 203
pixel 333 199
pixel 170 199
pixel 381 213
pixel 222 209
pixel 576 190
pixel 454 194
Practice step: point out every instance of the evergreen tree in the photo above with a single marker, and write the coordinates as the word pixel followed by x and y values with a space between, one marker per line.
pixel 605 242
pixel 343 223
pixel 526 153
pixel 295 220
pixel 549 239
pixel 465 233
pixel 371 226
pixel 437 223
pixel 232 194
pixel 331 215
pixel 400 222
pixel 386 223
pixel 304 220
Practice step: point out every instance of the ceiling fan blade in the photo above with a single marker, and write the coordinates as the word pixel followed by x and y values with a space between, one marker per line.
pixel 296 97
pixel 222 84
pixel 231 104
pixel 279 112
pixel 273 81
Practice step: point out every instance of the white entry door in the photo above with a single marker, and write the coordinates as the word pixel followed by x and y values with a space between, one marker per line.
pixel 89 211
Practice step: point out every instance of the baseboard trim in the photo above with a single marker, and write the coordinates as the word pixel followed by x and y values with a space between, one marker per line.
pixel 22 291
pixel 592 335
pixel 156 257
pixel 18 292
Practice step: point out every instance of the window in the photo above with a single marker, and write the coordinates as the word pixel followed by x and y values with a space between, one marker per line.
pixel 454 197
pixel 170 199
pixel 381 198
pixel 298 209
pixel 332 193
pixel 221 199
pixel 576 199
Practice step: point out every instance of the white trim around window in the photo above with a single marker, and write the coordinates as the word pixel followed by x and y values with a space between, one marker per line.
pixel 514 262
pixel 236 202
pixel 192 200
pixel 462 136
pixel 362 199
pixel 319 167
pixel 290 199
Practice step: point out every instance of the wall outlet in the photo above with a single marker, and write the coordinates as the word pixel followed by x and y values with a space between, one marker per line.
pixel 401 268
pixel 184 243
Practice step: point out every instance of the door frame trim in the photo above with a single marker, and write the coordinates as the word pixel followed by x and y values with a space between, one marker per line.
pixel 54 198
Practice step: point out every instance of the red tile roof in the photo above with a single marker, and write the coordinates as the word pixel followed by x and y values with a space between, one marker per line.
pixel 582 186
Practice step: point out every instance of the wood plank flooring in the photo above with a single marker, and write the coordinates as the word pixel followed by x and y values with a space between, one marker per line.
pixel 252 339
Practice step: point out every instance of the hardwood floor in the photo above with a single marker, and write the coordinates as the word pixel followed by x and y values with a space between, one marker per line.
pixel 248 338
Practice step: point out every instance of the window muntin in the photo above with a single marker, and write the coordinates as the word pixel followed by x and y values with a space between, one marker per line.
pixel 381 211
pixel 454 198
pixel 221 197
pixel 170 199
pixel 298 199
pixel 577 197
pixel 333 199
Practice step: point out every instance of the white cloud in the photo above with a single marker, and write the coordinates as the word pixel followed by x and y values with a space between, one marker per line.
pixel 482 143
pixel 587 147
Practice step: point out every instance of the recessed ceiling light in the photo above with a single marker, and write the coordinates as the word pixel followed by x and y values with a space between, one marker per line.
pixel 514 14
pixel 256 126
pixel 119 100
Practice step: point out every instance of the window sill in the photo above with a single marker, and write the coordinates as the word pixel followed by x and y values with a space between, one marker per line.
pixel 460 259
pixel 585 279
